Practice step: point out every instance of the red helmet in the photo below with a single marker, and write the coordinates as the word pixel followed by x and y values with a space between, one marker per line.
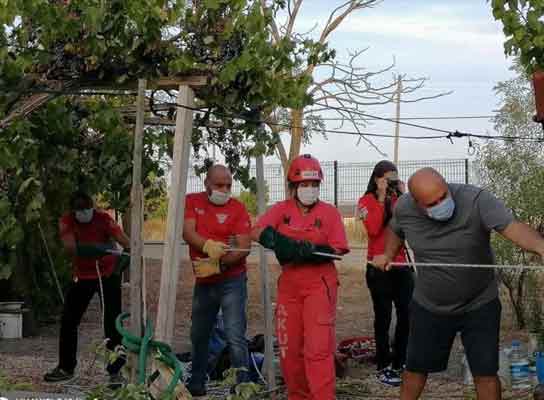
pixel 305 168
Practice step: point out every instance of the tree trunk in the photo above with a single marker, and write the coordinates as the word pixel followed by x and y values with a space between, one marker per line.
pixel 297 130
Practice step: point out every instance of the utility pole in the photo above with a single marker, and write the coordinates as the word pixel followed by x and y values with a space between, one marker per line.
pixel 397 125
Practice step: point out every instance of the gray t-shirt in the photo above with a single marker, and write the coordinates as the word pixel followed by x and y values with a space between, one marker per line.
pixel 464 239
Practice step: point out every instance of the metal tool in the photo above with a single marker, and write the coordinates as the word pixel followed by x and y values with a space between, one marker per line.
pixel 118 253
pixel 329 255
pixel 317 253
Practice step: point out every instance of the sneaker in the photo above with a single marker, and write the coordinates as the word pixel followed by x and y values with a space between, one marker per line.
pixel 119 361
pixel 389 376
pixel 58 375
pixel 197 392
pixel 116 381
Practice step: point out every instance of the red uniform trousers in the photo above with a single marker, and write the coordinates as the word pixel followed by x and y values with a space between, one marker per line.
pixel 305 328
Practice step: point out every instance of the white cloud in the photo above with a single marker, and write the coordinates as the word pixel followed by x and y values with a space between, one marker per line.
pixel 436 25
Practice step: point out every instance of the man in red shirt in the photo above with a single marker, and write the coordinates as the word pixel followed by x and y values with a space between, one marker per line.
pixel 307 288
pixel 88 236
pixel 217 230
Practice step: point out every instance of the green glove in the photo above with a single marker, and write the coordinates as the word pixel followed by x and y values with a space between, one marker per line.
pixel 93 250
pixel 268 238
pixel 289 250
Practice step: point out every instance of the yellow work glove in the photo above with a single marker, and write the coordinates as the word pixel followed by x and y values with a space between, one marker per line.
pixel 206 267
pixel 214 249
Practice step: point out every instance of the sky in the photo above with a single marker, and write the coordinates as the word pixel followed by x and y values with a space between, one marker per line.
pixel 457 45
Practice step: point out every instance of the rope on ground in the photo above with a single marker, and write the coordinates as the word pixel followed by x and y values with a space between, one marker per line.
pixel 53 271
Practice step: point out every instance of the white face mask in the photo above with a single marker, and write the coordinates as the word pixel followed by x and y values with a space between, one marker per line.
pixel 308 195
pixel 84 216
pixel 219 198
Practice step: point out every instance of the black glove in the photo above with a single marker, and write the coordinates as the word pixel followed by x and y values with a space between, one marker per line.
pixel 307 255
pixel 94 250
pixel 123 262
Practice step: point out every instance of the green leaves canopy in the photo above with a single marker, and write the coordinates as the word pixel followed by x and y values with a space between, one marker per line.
pixel 523 27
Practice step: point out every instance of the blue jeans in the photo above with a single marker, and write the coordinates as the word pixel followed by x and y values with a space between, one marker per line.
pixel 230 296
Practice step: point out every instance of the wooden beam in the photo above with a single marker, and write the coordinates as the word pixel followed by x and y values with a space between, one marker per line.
pixel 269 369
pixel 174 225
pixel 136 241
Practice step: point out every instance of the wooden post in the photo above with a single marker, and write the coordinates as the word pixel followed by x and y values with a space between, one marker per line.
pixel 136 242
pixel 176 208
pixel 397 125
pixel 269 369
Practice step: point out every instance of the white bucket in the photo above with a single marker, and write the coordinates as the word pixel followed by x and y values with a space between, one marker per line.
pixel 11 326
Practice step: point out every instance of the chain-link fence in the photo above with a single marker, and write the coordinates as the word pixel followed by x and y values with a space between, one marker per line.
pixel 344 183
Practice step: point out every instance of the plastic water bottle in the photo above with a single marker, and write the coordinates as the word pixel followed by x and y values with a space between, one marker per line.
pixel 469 390
pixel 504 367
pixel 519 369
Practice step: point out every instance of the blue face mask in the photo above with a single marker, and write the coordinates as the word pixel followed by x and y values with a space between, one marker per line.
pixel 442 211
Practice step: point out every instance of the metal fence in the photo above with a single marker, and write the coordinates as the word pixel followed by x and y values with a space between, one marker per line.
pixel 344 183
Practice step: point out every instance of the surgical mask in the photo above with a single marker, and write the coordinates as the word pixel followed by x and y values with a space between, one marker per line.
pixel 308 195
pixel 84 216
pixel 219 198
pixel 442 211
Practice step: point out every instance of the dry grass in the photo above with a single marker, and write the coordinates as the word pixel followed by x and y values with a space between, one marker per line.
pixel 155 229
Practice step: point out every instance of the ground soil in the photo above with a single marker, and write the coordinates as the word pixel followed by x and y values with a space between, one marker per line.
pixel 26 360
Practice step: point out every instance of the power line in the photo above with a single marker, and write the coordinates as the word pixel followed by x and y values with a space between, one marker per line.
pixel 415 118
pixel 446 133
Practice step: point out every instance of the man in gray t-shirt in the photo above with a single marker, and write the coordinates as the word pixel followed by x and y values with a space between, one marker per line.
pixel 451 224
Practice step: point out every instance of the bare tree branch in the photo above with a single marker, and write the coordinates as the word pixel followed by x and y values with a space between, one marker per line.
pixel 292 16
pixel 273 26
pixel 343 10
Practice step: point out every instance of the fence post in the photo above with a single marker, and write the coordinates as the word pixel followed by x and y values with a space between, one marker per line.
pixel 335 165
pixel 466 171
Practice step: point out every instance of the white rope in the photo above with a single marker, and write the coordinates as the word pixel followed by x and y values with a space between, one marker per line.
pixel 445 265
pixel 55 277
pixel 102 305
pixel 257 368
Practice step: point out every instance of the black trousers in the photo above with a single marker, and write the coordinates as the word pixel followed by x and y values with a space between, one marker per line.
pixel 388 288
pixel 76 302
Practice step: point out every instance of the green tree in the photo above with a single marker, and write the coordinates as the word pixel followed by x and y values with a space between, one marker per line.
pixel 524 30
pixel 52 142
pixel 514 171
pixel 64 146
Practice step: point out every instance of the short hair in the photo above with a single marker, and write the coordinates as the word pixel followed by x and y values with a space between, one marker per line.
pixel 80 195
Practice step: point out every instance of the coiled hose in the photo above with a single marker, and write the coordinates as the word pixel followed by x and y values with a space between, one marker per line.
pixel 142 346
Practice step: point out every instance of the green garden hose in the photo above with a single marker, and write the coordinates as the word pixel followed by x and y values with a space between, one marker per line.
pixel 142 346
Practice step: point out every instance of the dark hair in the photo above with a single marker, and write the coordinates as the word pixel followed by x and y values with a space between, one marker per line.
pixel 380 169
pixel 79 195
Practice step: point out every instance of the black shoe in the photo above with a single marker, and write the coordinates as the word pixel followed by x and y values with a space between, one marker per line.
pixel 120 360
pixel 197 392
pixel 116 381
pixel 389 377
pixel 58 375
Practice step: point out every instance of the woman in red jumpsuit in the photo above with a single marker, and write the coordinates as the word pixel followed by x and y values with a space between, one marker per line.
pixel 307 287
pixel 386 288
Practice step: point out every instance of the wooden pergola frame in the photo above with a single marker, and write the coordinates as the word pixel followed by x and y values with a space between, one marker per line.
pixel 172 255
